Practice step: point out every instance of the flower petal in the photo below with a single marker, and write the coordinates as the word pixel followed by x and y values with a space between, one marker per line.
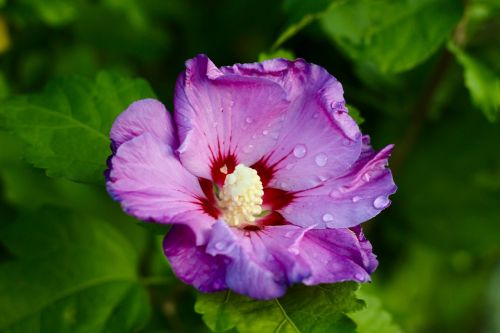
pixel 348 200
pixel 220 115
pixel 319 139
pixel 144 116
pixel 257 259
pixel 262 264
pixel 335 255
pixel 191 263
pixel 152 185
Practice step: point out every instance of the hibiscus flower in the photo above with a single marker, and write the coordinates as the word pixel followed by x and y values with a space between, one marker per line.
pixel 262 173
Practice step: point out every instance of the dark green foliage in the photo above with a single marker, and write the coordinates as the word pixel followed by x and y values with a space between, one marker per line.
pixel 393 35
pixel 66 128
pixel 417 73
pixel 69 274
pixel 302 309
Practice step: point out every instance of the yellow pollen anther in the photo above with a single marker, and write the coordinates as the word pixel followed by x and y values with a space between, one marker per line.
pixel 241 196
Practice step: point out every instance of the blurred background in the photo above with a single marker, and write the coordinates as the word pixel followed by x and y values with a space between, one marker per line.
pixel 424 75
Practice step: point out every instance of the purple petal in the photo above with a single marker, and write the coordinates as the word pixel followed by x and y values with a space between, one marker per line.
pixel 264 263
pixel 348 200
pixel 218 115
pixel 252 270
pixel 191 263
pixel 152 185
pixel 144 116
pixel 335 255
pixel 320 140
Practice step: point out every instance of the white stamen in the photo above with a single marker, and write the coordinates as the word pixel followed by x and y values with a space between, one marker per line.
pixel 241 196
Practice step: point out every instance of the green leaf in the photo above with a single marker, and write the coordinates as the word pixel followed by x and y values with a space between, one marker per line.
pixel 302 13
pixel 482 82
pixel 66 127
pixel 280 53
pixel 69 274
pixel 53 12
pixel 393 35
pixel 373 318
pixel 355 114
pixel 303 309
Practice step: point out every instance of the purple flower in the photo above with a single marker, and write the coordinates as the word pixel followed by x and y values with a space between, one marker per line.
pixel 263 174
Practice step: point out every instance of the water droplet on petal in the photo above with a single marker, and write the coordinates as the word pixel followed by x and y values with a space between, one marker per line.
pixel 381 202
pixel 321 159
pixel 366 177
pixel 347 142
pixel 360 277
pixel 248 149
pixel 299 151
pixel 220 246
pixel 265 132
pixel 356 198
pixel 335 194
pixel 275 135
pixel 327 217
pixel 316 115
pixel 248 120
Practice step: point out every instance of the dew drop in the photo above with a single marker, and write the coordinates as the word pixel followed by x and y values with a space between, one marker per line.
pixel 381 202
pixel 220 246
pixel 347 142
pixel 327 217
pixel 299 151
pixel 356 198
pixel 248 120
pixel 248 149
pixel 335 194
pixel 321 159
pixel 265 132
pixel 316 115
pixel 366 177
pixel 360 277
